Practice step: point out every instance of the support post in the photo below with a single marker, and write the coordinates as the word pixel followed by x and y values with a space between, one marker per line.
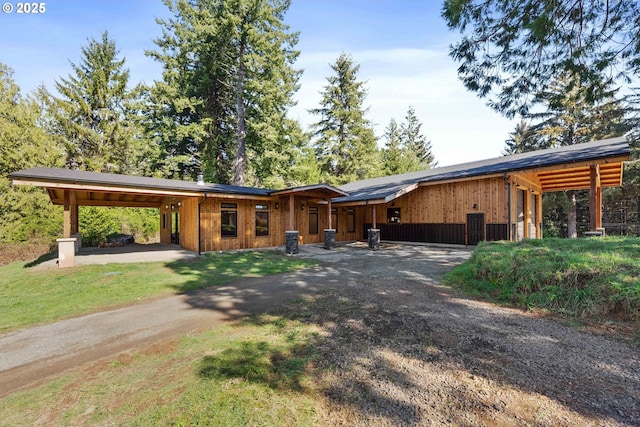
pixel 595 199
pixel 292 220
pixel 374 232
pixel 291 235
pixel 329 233
pixel 66 231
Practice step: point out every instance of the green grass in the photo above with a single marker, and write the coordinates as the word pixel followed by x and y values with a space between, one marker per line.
pixel 257 373
pixel 29 296
pixel 575 277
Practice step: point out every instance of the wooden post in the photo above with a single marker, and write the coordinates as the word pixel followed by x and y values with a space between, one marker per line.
pixel 539 216
pixel 329 214
pixel 74 212
pixel 66 231
pixel 373 208
pixel 595 199
pixel 292 221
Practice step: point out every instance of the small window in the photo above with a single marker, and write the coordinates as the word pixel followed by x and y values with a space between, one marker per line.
pixel 351 220
pixel 334 219
pixel 229 220
pixel 262 220
pixel 393 215
pixel 313 220
pixel 164 221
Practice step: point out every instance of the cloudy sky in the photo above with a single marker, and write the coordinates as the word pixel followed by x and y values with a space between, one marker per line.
pixel 401 46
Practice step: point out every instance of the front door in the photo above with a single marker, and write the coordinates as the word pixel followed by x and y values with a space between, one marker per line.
pixel 475 228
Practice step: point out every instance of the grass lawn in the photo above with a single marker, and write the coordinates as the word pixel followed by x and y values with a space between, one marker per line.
pixel 29 296
pixel 256 373
pixel 575 277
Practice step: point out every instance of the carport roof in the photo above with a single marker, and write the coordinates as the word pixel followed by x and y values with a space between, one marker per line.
pixel 563 160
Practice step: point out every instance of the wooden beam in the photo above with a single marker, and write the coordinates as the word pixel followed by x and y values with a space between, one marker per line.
pixel 595 200
pixel 329 213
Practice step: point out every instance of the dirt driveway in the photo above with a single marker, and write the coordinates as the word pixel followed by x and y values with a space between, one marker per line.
pixel 399 349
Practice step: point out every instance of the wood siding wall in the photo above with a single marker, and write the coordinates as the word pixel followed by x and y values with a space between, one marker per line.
pixel 210 225
pixel 449 203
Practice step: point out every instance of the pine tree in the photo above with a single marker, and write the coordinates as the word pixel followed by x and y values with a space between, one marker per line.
pixel 394 155
pixel 227 84
pixel 344 140
pixel 25 212
pixel 415 142
pixel 521 140
pixel 570 118
pixel 90 114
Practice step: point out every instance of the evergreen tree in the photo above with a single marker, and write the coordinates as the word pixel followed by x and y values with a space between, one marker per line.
pixel 394 155
pixel 415 142
pixel 521 140
pixel 25 212
pixel 91 114
pixel 227 84
pixel 344 140
pixel 570 118
pixel 515 49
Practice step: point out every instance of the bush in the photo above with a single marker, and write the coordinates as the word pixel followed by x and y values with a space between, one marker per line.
pixel 96 223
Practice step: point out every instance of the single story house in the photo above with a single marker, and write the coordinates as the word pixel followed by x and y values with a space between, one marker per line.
pixel 495 199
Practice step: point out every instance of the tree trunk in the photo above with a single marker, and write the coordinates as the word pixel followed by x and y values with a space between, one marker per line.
pixel 240 160
pixel 572 223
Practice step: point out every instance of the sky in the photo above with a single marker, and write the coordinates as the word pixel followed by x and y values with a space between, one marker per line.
pixel 401 46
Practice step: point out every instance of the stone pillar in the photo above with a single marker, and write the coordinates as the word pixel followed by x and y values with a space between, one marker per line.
pixel 291 242
pixel 66 252
pixel 329 238
pixel 374 239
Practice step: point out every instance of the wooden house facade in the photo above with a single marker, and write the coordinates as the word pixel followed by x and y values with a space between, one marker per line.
pixel 495 199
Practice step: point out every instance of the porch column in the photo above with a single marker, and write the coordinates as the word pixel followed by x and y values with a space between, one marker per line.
pixel 374 233
pixel 70 214
pixel 292 221
pixel 373 212
pixel 595 202
pixel 329 233
pixel 291 235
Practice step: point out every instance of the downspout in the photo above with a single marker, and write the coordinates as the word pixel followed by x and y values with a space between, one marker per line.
pixel 508 206
pixel 199 204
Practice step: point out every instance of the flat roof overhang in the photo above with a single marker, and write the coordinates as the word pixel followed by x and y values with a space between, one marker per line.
pixel 103 195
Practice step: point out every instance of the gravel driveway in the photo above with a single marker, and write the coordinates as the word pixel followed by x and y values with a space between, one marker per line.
pixel 399 349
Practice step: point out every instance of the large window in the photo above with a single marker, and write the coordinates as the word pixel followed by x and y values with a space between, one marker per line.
pixel 262 220
pixel 229 220
pixel 393 215
pixel 351 220
pixel 313 220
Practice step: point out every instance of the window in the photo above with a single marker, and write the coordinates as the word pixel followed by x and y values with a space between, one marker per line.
pixel 351 220
pixel 164 221
pixel 262 220
pixel 313 220
pixel 334 219
pixel 229 217
pixel 393 215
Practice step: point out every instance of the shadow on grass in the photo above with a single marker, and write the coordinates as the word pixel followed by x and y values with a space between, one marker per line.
pixel 42 258
pixel 214 269
pixel 278 367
